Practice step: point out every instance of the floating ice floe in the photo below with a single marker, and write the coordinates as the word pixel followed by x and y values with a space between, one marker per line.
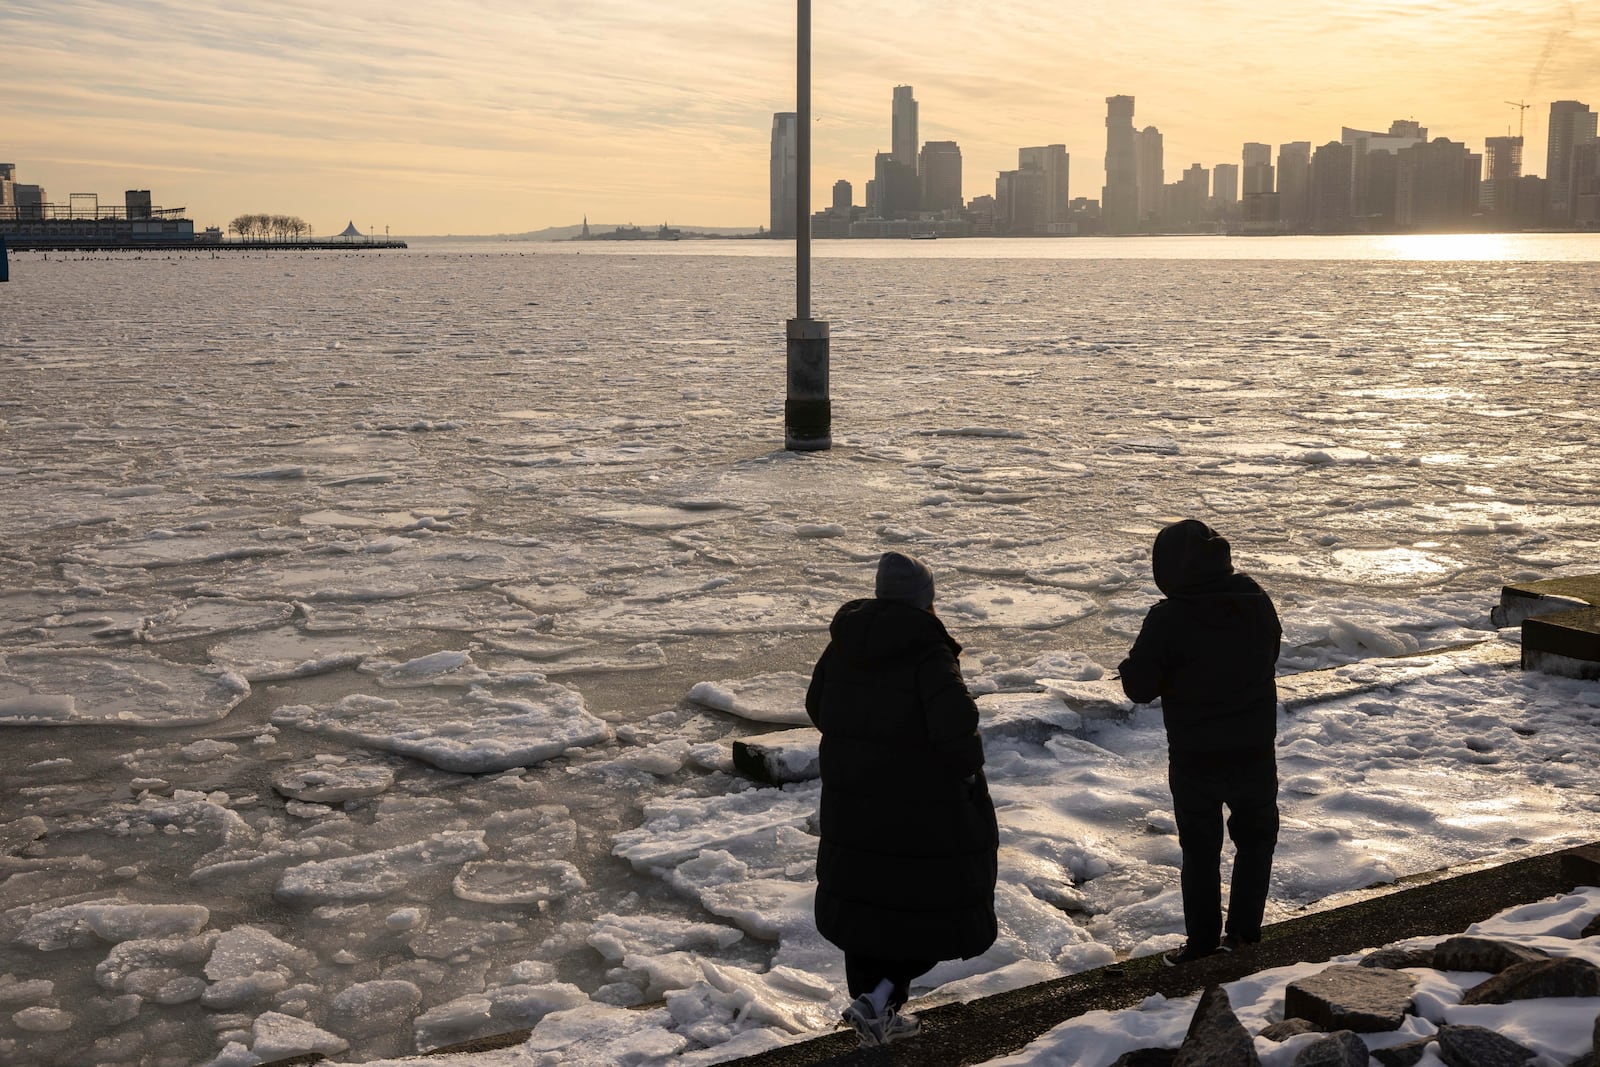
pixel 517 881
pixel 475 732
pixel 375 875
pixel 284 653
pixel 1013 606
pixel 332 779
pixel 73 687
pixel 108 921
pixel 165 549
pixel 211 616
pixel 776 697
pixel 390 570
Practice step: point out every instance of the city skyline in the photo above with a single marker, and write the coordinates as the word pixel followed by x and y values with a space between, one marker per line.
pixel 512 120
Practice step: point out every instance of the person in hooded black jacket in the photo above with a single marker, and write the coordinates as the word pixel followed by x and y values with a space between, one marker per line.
pixel 906 866
pixel 1209 651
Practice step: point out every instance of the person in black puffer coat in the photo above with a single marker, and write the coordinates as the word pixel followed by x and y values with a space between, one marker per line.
pixel 907 864
pixel 1209 651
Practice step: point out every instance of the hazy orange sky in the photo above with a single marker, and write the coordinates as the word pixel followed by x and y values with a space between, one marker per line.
pixel 500 116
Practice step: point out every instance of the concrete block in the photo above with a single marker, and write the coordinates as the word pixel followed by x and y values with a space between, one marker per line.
pixel 1565 643
pixel 1525 600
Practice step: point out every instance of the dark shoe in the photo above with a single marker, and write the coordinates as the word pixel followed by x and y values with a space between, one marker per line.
pixel 1235 943
pixel 1186 953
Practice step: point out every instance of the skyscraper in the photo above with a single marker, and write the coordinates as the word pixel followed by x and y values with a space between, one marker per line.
pixel 1572 125
pixel 904 144
pixel 1502 158
pixel 895 186
pixel 1152 169
pixel 1332 185
pixel 785 167
pixel 1257 173
pixel 842 197
pixel 1052 164
pixel 1225 184
pixel 1119 200
pixel 1294 183
pixel 940 173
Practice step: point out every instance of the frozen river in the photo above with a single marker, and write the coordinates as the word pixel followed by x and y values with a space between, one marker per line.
pixel 351 606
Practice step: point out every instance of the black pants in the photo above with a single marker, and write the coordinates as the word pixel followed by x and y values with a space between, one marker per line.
pixel 863 973
pixel 1248 784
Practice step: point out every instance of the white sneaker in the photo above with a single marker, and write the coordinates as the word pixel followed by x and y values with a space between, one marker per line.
pixel 865 1021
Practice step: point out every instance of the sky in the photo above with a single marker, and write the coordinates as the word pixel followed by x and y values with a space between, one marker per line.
pixel 504 116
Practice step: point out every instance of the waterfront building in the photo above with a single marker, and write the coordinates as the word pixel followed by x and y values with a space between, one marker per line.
pixel 939 172
pixel 8 177
pixel 784 175
pixel 137 203
pixel 843 197
pixel 1329 206
pixel 1294 183
pixel 1120 198
pixel 895 186
pixel 1572 125
pixel 1225 185
pixel 1502 162
pixel 1186 204
pixel 903 146
pixel 1051 162
pixel 1152 170
pixel 1019 202
pixel 1436 185
pixel 1256 172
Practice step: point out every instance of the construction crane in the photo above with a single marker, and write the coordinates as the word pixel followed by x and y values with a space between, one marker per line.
pixel 1522 110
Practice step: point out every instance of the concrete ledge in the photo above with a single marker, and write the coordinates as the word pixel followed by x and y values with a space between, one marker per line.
pixel 1523 600
pixel 1434 904
pixel 1564 642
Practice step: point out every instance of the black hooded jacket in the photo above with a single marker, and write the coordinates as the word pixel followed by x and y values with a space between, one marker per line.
pixel 1209 650
pixel 907 862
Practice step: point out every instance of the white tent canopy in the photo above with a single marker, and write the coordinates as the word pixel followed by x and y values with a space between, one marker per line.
pixel 351 231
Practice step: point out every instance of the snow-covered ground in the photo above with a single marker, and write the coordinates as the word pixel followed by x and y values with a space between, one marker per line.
pixel 352 608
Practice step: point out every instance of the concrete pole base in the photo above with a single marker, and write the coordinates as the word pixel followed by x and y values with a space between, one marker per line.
pixel 807 411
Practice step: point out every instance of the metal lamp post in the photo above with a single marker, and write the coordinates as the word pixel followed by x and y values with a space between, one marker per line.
pixel 807 411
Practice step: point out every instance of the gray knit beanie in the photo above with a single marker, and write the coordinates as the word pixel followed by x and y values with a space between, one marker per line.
pixel 904 579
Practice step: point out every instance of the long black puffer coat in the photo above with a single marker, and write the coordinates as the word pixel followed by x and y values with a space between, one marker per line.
pixel 906 867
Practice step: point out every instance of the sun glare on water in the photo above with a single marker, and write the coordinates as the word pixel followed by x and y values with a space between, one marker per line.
pixel 1448 246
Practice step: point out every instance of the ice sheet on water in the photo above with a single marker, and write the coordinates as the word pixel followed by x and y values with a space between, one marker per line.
pixel 517 881
pixel 108 921
pixel 65 687
pixel 278 1036
pixel 615 936
pixel 164 548
pixel 733 613
pixel 384 570
pixel 286 652
pixel 212 616
pixel 776 697
pixel 375 875
pixel 1012 606
pixel 472 732
pixel 474 611
pixel 331 779
pixel 494 1011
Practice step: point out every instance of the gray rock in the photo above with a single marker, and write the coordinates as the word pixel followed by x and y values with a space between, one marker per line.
pixel 1406 1055
pixel 1568 977
pixel 1474 1046
pixel 1393 959
pixel 1216 1037
pixel 1342 1049
pixel 1289 1028
pixel 1482 954
pixel 1147 1057
pixel 1363 999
